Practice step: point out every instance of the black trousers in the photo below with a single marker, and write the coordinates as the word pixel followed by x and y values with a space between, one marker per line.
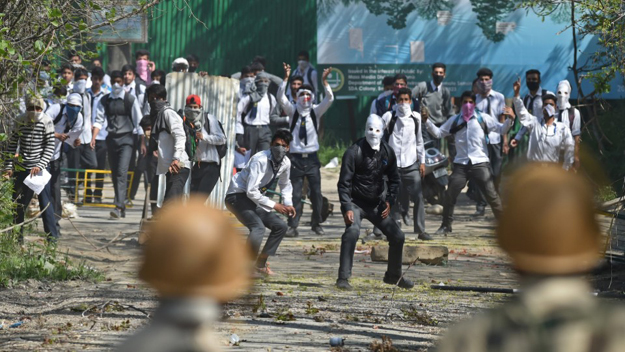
pixel 174 186
pixel 256 220
pixel 306 167
pixel 138 164
pixel 495 154
pixel 480 174
pixel 81 157
pixel 100 154
pixel 55 188
pixel 22 196
pixel 389 228
pixel 204 177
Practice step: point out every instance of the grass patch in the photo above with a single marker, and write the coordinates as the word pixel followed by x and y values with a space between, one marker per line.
pixel 327 151
pixel 39 261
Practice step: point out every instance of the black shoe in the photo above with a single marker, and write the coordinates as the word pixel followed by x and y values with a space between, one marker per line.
pixel 343 284
pixel 318 230
pixel 123 213
pixel 377 232
pixel 424 236
pixel 116 213
pixel 291 232
pixel 407 220
pixel 403 283
pixel 443 230
pixel 97 200
pixel 479 211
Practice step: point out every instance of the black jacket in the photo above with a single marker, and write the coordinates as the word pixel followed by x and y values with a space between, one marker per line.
pixel 362 175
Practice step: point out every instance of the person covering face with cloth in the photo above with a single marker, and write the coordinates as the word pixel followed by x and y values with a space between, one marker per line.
pixel 255 112
pixel 361 191
pixel 246 198
pixel 569 116
pixel 471 128
pixel 548 138
pixel 405 137
pixel 305 118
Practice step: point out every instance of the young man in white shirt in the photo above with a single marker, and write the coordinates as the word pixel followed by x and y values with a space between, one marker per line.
pixel 255 112
pixel 206 161
pixel 548 139
pixel 470 127
pixel 306 71
pixel 404 134
pixel 246 198
pixel 492 103
pixel 570 116
pixel 533 102
pixel 169 135
pixel 304 120
pixel 97 92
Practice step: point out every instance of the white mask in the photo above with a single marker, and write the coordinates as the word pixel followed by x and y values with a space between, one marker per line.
pixel 33 115
pixel 117 89
pixel 374 131
pixel 403 110
pixel 156 82
pixel 302 64
pixel 549 111
pixel 80 86
pixel 563 95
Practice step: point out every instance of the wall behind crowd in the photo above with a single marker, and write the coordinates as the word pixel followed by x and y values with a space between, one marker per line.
pixel 236 31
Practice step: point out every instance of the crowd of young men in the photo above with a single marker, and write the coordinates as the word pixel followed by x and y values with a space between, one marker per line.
pixel 122 120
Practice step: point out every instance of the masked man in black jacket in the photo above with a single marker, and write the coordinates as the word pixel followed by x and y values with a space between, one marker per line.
pixel 361 191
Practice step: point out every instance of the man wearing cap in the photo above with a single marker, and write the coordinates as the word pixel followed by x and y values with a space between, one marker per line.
pixel 208 134
pixel 361 191
pixel 246 198
pixel 549 139
pixel 305 118
pixel 255 112
pixel 196 261
pixel 555 310
pixel 570 116
pixel 32 146
pixel 180 65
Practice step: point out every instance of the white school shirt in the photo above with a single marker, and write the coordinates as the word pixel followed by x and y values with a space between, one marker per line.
pixel 497 103
pixel 546 142
pixel 262 115
pixel 95 102
pixel 172 146
pixel 258 173
pixel 470 141
pixel 536 109
pixel 73 133
pixel 297 146
pixel 408 147
pixel 563 116
pixel 206 148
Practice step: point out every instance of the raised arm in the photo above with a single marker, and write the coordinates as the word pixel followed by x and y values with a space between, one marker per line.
pixel 329 97
pixel 527 120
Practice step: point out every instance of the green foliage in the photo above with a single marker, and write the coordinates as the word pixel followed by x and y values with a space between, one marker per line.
pixel 39 262
pixel 331 150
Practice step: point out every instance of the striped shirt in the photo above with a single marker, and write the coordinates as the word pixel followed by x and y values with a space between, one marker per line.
pixel 34 141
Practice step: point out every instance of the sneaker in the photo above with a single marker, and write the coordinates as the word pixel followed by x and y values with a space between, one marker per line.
pixel 343 284
pixel 424 236
pixel 116 213
pixel 407 220
pixel 443 230
pixel 377 232
pixel 123 213
pixel 291 232
pixel 403 283
pixel 318 230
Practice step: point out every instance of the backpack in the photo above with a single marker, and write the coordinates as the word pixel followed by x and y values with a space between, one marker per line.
pixel 222 150
pixel 388 132
pixel 68 124
pixel 571 117
pixel 455 126
pixel 295 118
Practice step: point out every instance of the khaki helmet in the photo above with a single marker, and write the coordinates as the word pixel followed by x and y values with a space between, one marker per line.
pixel 548 224
pixel 194 251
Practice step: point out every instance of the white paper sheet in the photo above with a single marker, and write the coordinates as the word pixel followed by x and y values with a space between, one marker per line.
pixel 38 181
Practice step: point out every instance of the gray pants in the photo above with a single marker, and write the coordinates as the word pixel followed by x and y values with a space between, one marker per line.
pixel 256 220
pixel 55 188
pixel 480 174
pixel 389 228
pixel 496 160
pixel 119 149
pixel 411 189
pixel 306 168
pixel 174 186
pixel 257 138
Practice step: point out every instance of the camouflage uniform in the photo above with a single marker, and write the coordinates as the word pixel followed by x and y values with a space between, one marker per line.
pixel 178 325
pixel 555 314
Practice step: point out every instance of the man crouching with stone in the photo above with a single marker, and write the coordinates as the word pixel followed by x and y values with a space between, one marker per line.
pixel 361 191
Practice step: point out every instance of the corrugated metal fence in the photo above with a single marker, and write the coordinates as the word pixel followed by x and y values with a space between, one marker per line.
pixel 219 97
